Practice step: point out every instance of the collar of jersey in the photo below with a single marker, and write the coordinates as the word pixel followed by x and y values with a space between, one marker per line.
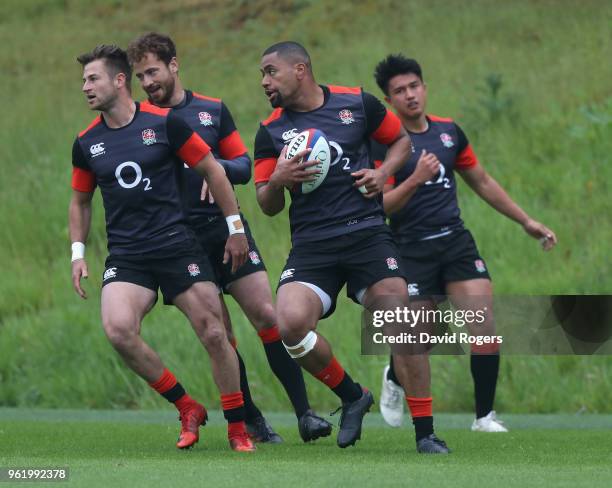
pixel 185 101
pixel 126 125
pixel 425 131
pixel 326 95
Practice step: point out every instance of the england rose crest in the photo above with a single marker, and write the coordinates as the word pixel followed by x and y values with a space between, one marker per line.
pixel 346 116
pixel 254 257
pixel 194 269
pixel 446 140
pixel 148 137
pixel 392 264
pixel 205 119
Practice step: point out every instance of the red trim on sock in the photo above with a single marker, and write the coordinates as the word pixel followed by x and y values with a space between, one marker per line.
pixel 420 407
pixel 270 335
pixel 233 342
pixel 165 382
pixel 236 429
pixel 485 348
pixel 184 402
pixel 232 400
pixel 332 374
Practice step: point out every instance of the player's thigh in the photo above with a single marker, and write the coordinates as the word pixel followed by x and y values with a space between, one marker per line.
pixel 253 294
pixel 386 294
pixel 476 297
pixel 123 305
pixel 200 303
pixel 299 308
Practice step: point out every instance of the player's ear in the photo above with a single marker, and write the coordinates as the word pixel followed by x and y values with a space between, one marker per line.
pixel 120 80
pixel 300 71
pixel 173 66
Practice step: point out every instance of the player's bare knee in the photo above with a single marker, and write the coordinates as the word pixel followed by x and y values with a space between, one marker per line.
pixel 263 316
pixel 214 336
pixel 120 335
pixel 293 325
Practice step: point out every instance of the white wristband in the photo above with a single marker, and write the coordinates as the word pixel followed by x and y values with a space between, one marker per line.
pixel 234 224
pixel 78 251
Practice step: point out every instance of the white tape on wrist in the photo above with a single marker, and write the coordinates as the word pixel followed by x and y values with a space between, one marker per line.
pixel 234 224
pixel 78 251
pixel 304 347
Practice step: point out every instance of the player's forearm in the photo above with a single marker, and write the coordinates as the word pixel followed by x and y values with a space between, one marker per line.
pixel 222 191
pixel 238 170
pixel 395 199
pixel 271 198
pixel 79 220
pixel 397 154
pixel 491 192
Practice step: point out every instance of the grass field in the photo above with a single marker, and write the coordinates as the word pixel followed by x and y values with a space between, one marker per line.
pixel 125 448
pixel 544 136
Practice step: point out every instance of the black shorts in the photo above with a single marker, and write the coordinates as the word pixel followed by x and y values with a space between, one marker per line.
pixel 430 264
pixel 173 269
pixel 359 259
pixel 213 237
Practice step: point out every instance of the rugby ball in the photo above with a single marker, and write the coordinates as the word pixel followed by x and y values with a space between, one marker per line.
pixel 316 140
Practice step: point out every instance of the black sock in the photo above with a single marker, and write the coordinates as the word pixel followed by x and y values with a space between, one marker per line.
pixel 423 426
pixel 289 374
pixel 251 411
pixel 175 393
pixel 391 373
pixel 347 389
pixel 485 369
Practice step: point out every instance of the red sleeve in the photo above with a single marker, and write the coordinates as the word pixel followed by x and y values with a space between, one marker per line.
pixel 83 180
pixel 263 169
pixel 391 180
pixel 231 146
pixel 193 150
pixel 466 159
pixel 388 130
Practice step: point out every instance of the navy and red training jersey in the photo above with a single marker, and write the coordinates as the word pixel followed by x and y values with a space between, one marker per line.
pixel 349 118
pixel 138 170
pixel 433 210
pixel 212 121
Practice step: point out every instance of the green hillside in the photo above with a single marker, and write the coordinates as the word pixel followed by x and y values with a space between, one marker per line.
pixel 544 134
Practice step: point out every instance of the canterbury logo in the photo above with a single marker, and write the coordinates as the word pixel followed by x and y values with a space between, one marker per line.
pixel 289 134
pixel 97 149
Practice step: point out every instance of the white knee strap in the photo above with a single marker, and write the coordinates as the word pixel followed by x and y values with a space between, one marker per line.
pixel 304 347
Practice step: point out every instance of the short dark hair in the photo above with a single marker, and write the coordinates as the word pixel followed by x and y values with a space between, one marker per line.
pixel 393 65
pixel 292 51
pixel 153 42
pixel 114 58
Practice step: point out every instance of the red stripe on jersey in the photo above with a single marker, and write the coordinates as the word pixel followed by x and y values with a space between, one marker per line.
pixel 83 180
pixel 193 151
pixel 388 130
pixel 391 179
pixel 263 169
pixel 231 146
pixel 435 118
pixel 152 109
pixel 344 89
pixel 204 97
pixel 94 122
pixel 466 159
pixel 273 116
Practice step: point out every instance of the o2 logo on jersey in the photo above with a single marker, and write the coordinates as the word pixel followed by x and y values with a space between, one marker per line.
pixel 205 119
pixel 442 179
pixel 148 137
pixel 122 171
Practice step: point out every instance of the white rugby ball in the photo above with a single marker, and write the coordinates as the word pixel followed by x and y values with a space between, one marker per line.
pixel 316 140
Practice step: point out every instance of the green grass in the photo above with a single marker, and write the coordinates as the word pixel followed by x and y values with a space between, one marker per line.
pixel 137 449
pixel 549 146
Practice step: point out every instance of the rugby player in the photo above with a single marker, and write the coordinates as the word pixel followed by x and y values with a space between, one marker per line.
pixel 439 254
pixel 133 152
pixel 338 233
pixel 155 63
